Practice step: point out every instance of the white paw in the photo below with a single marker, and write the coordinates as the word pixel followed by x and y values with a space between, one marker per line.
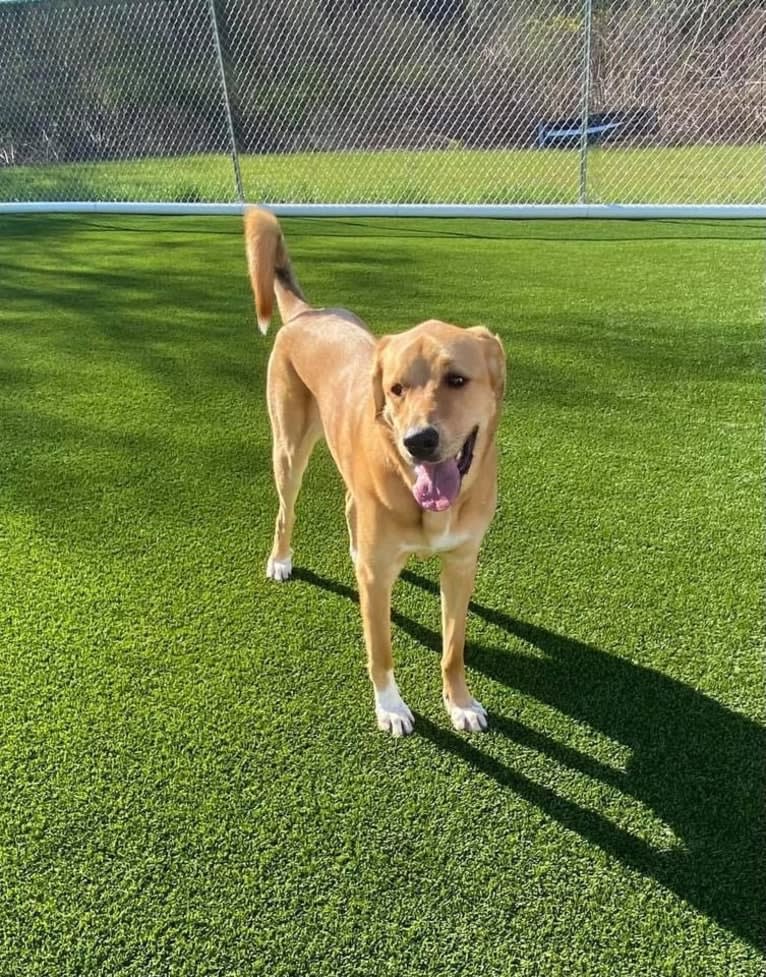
pixel 391 711
pixel 397 722
pixel 472 718
pixel 279 569
pixel 354 553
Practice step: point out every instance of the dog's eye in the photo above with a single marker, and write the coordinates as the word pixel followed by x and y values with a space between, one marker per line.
pixel 397 389
pixel 456 380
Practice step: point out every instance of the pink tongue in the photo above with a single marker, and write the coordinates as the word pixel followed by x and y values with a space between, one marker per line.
pixel 437 486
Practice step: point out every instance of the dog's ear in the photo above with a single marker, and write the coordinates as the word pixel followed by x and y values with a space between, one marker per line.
pixel 378 396
pixel 495 357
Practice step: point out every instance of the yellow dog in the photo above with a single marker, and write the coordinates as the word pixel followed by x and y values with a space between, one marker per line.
pixel 410 420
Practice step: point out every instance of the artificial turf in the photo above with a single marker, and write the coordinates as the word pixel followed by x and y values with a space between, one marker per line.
pixel 191 782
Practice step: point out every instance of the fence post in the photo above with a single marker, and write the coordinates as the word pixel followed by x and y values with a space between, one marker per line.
pixel 585 98
pixel 227 102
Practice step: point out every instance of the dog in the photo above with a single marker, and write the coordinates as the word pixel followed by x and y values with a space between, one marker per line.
pixel 410 420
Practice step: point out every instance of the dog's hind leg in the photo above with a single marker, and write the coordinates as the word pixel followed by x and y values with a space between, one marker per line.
pixel 296 428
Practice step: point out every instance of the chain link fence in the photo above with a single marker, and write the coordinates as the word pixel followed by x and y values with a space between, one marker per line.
pixel 383 102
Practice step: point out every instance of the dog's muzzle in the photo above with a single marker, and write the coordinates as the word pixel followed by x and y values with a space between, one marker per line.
pixel 437 484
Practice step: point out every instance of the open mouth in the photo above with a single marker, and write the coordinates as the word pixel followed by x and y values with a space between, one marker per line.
pixel 437 484
pixel 465 457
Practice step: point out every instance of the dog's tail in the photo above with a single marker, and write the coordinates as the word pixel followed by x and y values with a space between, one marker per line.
pixel 270 270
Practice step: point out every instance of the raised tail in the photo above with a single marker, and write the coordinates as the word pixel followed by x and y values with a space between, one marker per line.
pixel 270 270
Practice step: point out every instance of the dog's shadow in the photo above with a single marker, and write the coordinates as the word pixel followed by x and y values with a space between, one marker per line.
pixel 697 765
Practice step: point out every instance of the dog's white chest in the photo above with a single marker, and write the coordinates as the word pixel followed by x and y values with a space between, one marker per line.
pixel 439 534
pixel 447 541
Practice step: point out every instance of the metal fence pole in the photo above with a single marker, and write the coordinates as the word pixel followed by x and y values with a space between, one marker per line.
pixel 339 114
pixel 585 101
pixel 227 102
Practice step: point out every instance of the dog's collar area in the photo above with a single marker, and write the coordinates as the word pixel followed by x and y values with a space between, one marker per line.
pixel 465 457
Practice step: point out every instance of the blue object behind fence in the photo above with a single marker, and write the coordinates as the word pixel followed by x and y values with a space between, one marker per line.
pixel 566 135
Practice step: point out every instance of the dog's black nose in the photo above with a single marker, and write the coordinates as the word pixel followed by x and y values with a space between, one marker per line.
pixel 422 444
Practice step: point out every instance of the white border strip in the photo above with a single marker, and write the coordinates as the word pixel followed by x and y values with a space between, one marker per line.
pixel 503 211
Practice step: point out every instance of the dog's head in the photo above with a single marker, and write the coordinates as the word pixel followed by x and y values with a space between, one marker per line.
pixel 439 389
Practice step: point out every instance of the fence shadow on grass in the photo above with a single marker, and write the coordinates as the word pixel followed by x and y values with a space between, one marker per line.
pixel 697 765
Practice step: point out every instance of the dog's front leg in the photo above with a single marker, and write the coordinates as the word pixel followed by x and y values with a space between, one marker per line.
pixel 457 579
pixel 351 523
pixel 376 578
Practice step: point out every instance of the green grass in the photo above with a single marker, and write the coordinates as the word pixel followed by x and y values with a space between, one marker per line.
pixel 698 174
pixel 191 782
